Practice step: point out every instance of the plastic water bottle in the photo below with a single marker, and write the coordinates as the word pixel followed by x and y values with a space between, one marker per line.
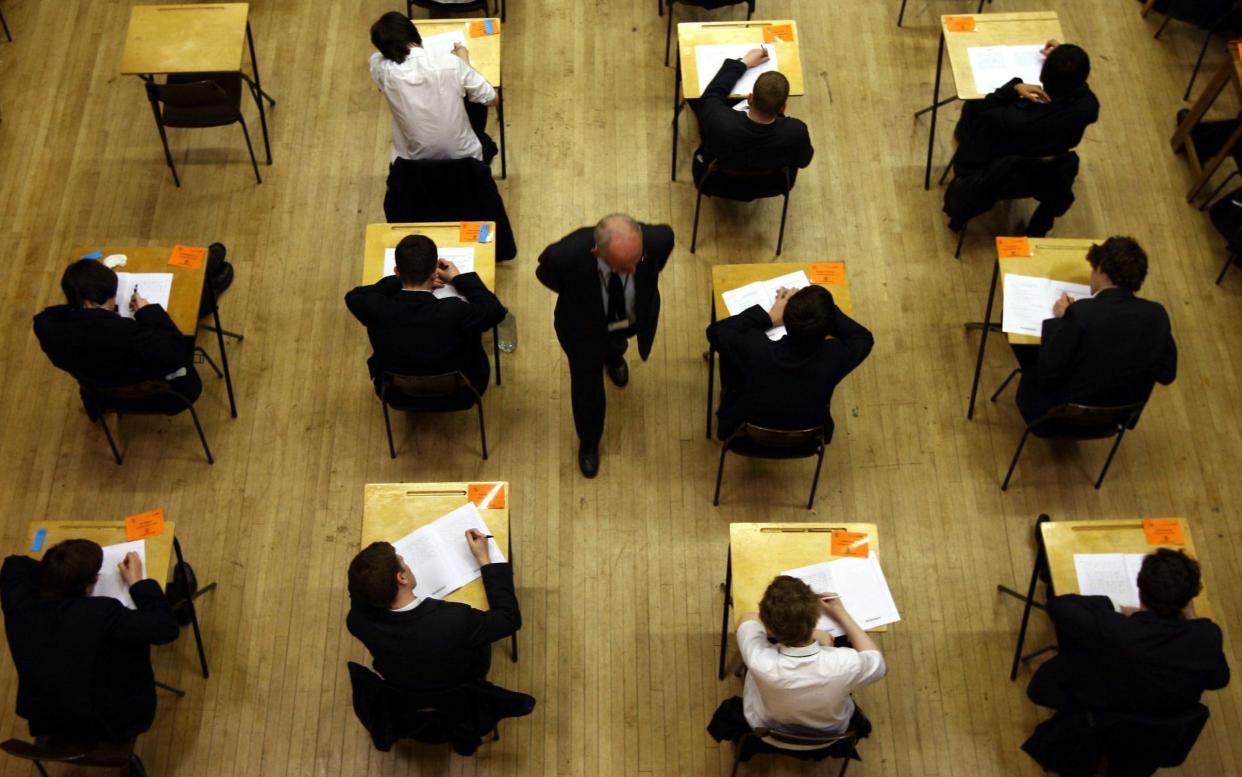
pixel 507 333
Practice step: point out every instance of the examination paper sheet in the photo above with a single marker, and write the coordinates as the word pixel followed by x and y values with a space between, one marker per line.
pixel 1114 575
pixel 439 556
pixel 110 582
pixel 709 58
pixel 763 294
pixel 462 257
pixel 1029 301
pixel 861 585
pixel 994 66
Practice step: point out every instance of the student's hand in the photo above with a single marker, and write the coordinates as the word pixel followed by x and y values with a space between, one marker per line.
pixel 446 271
pixel 777 313
pixel 1063 302
pixel 1049 46
pixel 477 541
pixel 832 605
pixel 755 56
pixel 137 302
pixel 1033 93
pixel 462 52
pixel 131 568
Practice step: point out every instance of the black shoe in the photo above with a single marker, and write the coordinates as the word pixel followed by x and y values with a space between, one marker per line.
pixel 618 371
pixel 588 459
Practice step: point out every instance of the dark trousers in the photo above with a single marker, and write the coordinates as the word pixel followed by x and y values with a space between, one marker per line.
pixel 477 114
pixel 1031 403
pixel 586 386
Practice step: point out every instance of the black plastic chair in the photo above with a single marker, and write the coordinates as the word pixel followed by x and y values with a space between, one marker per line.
pixel 199 100
pixel 1223 18
pixel 475 5
pixel 762 443
pixel 101 756
pixel 1049 180
pixel 780 740
pixel 138 399
pixel 1078 422
pixel 446 393
pixel 743 185
pixel 707 4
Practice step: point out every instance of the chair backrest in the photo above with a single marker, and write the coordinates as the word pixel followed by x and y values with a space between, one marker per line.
pixel 135 392
pixel 756 183
pixel 785 740
pixel 194 94
pixel 1138 743
pixel 1090 421
pixel 761 442
pixel 428 386
pixel 107 756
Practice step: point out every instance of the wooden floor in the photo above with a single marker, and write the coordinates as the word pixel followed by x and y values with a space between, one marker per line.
pixel 619 577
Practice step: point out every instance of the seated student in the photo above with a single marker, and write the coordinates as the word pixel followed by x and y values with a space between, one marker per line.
pixel 439 102
pixel 763 138
pixel 427 644
pixel 83 662
pixel 1110 349
pixel 91 341
pixel 796 679
pixel 414 332
pixel 786 383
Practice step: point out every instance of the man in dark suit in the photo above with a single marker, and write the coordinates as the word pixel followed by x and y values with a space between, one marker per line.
pixel 83 662
pixel 786 383
pixel 91 341
pixel 427 644
pixel 1108 350
pixel 762 138
pixel 607 285
pixel 414 332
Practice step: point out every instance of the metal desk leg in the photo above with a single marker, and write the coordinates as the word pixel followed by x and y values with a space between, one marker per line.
pixel 224 356
pixel 931 133
pixel 500 119
pixel 496 350
pixel 724 615
pixel 513 636
pixel 189 604
pixel 711 371
pixel 988 327
pixel 258 85
pixel 676 109
pixel 1041 561
pixel 175 691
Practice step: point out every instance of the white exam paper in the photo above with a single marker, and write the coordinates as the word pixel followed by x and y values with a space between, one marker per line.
pixel 710 57
pixel 861 585
pixel 155 287
pixel 1029 301
pixel 439 556
pixel 110 582
pixel 442 42
pixel 1114 575
pixel 994 66
pixel 462 257
pixel 763 294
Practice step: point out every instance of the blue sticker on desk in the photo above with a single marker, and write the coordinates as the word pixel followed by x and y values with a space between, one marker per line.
pixel 92 255
pixel 40 536
pixel 483 232
pixel 490 27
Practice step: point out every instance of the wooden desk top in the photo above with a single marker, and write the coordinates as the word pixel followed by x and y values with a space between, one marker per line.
pixel 446 234
pixel 484 50
pixel 1061 259
pixel 692 34
pixel 726 277
pixel 994 29
pixel 187 286
pixel 392 510
pixel 1123 535
pixel 761 551
pixel 185 38
pixel 158 552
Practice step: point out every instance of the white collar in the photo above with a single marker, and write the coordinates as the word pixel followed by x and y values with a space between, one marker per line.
pixel 805 651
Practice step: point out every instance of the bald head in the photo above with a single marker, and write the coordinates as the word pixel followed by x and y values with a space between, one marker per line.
pixel 619 242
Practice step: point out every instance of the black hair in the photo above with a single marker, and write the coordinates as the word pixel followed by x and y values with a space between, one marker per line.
pixel 1122 259
pixel 393 34
pixel 68 568
pixel 809 314
pixel 373 575
pixel 770 92
pixel 88 280
pixel 1167 581
pixel 1065 70
pixel 417 258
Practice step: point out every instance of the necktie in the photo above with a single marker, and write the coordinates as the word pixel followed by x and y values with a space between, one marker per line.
pixel 616 298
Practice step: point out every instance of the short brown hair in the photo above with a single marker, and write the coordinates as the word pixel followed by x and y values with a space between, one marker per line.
pixel 1122 259
pixel 1167 581
pixel 789 610
pixel 68 568
pixel 373 575
pixel 770 93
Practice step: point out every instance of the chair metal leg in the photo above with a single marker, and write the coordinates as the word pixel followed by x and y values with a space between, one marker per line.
pixel 902 13
pixel 711 378
pixel 1228 261
pixel 116 454
pixel 694 233
pixel 724 450
pixel 845 762
pixel 226 333
pixel 996 393
pixel 136 769
pixel 1194 73
pixel 260 94
pixel 1041 559
pixel 948 167
pixel 482 429
pixel 724 611
pixel 1016 454
pixel 224 354
pixel 500 124
pixel 253 162
pixel 1217 190
pixel 737 758
pixel 189 605
pixel 496 350
pixel 750 9
pixel 780 238
pixel 5 25
pixel 1163 24
pixel 931 131
pixel 179 693
pixel 42 771
pixel 202 438
pixel 513 650
pixel 660 7
pixel 961 238
pixel 987 327
pixel 392 451
pixel 810 503
pixel 168 158
pixel 676 110
pixel 668 34
pixel 980 8
pixel 209 361
pixel 1116 444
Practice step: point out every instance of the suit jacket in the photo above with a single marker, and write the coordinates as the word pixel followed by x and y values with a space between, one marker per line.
pixel 784 385
pixel 733 138
pixel 417 333
pixel 448 190
pixel 1141 664
pixel 1003 124
pixel 568 268
pixel 83 664
pixel 438 644
pixel 1111 349
pixel 101 347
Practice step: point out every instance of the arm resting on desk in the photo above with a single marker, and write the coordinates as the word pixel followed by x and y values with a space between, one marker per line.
pixel 484 310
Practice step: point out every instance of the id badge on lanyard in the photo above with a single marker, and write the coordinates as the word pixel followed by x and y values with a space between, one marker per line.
pixel 617 326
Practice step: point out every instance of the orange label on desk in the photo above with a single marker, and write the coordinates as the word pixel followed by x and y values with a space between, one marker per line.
pixel 146 524
pixel 1163 531
pixel 486 495
pixel 484 27
pixel 778 32
pixel 188 257
pixel 959 23
pixel 470 231
pixel 832 273
pixel 1012 246
pixel 855 544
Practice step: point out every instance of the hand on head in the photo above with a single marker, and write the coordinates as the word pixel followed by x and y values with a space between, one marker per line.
pixel 777 313
pixel 1049 46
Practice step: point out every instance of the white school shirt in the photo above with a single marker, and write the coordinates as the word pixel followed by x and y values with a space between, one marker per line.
pixel 807 687
pixel 425 93
pixel 627 281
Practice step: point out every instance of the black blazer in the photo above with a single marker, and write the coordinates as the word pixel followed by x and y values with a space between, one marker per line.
pixel 784 385
pixel 1111 349
pixel 733 138
pixel 438 644
pixel 1003 124
pixel 101 347
pixel 416 333
pixel 568 268
pixel 1137 664
pixel 83 664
